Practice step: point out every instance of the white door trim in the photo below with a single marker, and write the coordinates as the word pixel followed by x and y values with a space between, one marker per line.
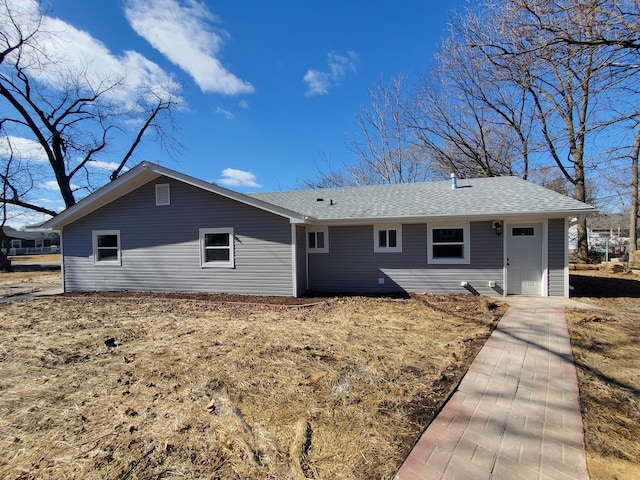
pixel 544 253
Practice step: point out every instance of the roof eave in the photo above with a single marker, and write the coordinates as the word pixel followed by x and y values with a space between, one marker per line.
pixel 450 217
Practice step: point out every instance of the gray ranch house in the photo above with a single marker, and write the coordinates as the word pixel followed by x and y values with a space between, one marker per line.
pixel 155 229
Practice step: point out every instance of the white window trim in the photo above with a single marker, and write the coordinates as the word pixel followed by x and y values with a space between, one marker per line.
pixel 162 190
pixel 218 264
pixel 392 226
pixel 96 234
pixel 466 246
pixel 324 230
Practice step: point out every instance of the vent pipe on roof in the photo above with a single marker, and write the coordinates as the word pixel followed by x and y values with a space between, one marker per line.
pixel 454 181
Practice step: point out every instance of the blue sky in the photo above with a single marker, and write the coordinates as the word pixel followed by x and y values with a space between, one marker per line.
pixel 270 87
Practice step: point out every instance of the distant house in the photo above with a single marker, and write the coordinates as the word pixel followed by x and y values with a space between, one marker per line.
pixel 18 242
pixel 155 229
pixel 608 235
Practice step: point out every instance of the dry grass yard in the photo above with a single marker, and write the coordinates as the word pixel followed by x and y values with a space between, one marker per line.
pixel 143 386
pixel 137 386
pixel 606 348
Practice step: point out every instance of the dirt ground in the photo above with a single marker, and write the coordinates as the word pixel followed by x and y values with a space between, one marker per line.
pixel 606 348
pixel 132 386
pixel 33 274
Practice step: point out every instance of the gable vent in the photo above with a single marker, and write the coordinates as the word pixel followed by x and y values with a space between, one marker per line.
pixel 162 194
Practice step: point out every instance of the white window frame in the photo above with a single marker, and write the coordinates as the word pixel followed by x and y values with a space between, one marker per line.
pixel 385 228
pixel 163 190
pixel 203 248
pixel 16 243
pixel 96 260
pixel 466 244
pixel 315 231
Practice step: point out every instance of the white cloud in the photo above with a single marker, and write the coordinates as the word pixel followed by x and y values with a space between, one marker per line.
pixel 52 185
pixel 62 51
pixel 107 166
pixel 184 34
pixel 22 148
pixel 238 178
pixel 320 82
pixel 228 115
pixel 243 104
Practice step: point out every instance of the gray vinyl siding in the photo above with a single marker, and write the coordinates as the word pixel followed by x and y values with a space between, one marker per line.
pixel 160 246
pixel 557 257
pixel 301 260
pixel 352 266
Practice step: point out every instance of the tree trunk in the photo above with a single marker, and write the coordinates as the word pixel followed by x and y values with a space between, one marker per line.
pixel 5 262
pixel 581 194
pixel 633 220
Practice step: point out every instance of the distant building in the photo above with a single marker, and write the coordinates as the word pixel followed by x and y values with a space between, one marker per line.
pixel 608 235
pixel 18 242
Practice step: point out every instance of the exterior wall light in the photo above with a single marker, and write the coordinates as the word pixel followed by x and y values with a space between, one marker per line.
pixel 497 226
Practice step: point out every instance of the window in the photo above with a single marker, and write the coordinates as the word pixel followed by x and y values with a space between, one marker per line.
pixel 387 238
pixel 16 243
pixel 216 247
pixel 318 240
pixel 106 247
pixel 448 244
pixel 163 194
pixel 523 232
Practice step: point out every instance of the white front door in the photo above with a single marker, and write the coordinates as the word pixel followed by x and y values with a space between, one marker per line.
pixel 524 259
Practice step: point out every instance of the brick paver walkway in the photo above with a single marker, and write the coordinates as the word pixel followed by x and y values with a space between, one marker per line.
pixel 516 413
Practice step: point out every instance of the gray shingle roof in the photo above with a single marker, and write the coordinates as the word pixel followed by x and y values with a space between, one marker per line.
pixel 481 197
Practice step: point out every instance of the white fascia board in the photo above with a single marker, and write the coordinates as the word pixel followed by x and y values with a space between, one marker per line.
pixel 440 218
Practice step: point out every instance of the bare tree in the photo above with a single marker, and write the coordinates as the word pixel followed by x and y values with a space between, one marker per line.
pixel 328 177
pixel 386 152
pixel 468 118
pixel 570 85
pixel 633 217
pixel 69 112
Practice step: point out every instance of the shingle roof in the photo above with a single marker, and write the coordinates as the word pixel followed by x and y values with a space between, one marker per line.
pixel 488 197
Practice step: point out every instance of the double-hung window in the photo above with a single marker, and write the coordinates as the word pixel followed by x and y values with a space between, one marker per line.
pixel 216 247
pixel 387 238
pixel 448 244
pixel 106 247
pixel 318 240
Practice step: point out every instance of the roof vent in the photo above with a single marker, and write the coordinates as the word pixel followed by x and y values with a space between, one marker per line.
pixel 319 199
pixel 454 181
